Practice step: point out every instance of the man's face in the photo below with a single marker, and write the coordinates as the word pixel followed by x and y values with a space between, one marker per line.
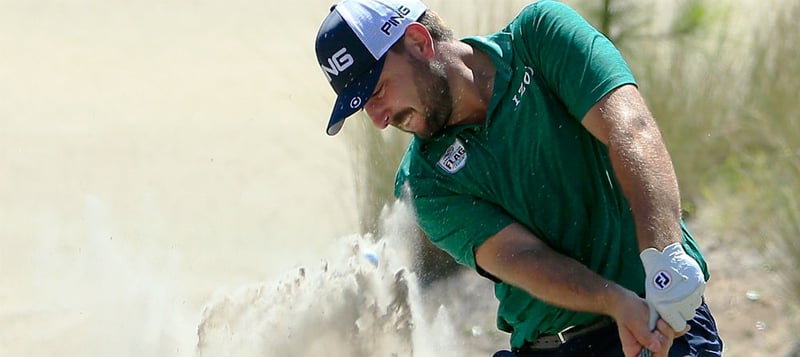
pixel 412 95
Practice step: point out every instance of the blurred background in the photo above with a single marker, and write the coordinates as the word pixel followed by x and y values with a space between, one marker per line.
pixel 158 156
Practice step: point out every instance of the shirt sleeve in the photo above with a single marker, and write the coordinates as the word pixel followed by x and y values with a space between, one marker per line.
pixel 457 223
pixel 578 63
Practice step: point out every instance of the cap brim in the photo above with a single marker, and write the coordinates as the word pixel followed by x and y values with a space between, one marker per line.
pixel 354 97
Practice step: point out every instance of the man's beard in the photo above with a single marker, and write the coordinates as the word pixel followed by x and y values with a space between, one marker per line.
pixel 434 91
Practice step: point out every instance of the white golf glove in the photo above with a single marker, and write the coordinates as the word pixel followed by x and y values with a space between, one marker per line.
pixel 674 284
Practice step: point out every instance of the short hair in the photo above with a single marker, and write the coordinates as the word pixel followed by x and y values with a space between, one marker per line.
pixel 436 26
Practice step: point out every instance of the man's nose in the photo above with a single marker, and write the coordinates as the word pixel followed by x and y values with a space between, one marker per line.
pixel 376 114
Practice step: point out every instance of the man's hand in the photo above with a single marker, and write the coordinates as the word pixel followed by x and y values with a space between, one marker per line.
pixel 674 284
pixel 637 333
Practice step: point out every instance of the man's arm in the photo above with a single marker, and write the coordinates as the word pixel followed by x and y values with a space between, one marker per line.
pixel 516 256
pixel 674 282
pixel 642 165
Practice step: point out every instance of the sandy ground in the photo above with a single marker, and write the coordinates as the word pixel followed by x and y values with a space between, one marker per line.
pixel 154 153
pixel 756 314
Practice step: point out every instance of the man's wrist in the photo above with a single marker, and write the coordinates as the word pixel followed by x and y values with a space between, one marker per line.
pixel 617 300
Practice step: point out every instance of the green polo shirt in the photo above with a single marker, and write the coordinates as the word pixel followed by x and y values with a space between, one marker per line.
pixel 533 163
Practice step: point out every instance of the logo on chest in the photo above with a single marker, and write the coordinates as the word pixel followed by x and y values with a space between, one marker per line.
pixel 454 158
pixel 525 82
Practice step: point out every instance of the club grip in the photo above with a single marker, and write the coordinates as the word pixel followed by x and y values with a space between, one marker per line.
pixel 652 324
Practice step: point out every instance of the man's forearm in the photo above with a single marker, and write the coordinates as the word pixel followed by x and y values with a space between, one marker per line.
pixel 644 169
pixel 519 258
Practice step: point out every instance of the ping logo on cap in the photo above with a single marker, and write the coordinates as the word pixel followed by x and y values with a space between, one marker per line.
pixel 394 20
pixel 338 63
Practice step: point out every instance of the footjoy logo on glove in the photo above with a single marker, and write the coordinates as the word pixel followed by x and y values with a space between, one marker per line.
pixel 454 158
pixel 662 280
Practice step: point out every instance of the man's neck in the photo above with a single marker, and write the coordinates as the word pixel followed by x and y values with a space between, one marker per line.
pixel 471 73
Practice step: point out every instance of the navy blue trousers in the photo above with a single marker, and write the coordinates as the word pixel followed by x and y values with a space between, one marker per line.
pixel 702 340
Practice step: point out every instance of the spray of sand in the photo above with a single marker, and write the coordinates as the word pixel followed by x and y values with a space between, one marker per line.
pixel 363 302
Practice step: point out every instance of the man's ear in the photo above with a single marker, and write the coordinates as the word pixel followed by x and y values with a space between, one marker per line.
pixel 418 41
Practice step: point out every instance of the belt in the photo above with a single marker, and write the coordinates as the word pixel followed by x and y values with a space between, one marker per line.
pixel 547 342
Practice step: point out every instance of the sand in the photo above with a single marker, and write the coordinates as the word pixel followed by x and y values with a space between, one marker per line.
pixel 154 153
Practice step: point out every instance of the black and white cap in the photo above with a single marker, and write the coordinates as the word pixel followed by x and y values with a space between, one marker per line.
pixel 351 48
